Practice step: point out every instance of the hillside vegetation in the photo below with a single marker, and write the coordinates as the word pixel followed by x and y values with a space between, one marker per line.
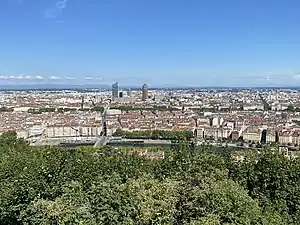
pixel 89 186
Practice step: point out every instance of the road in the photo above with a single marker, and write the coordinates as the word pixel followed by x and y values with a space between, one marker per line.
pixel 102 140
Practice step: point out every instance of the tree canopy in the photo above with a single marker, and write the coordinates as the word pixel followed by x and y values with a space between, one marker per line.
pixel 50 185
pixel 155 134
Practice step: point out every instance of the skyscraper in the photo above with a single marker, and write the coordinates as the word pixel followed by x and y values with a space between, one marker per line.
pixel 115 90
pixel 129 92
pixel 144 92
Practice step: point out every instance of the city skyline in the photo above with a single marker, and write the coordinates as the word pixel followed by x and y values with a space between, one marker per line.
pixel 195 43
pixel 150 112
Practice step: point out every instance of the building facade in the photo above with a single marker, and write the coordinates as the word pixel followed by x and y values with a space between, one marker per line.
pixel 115 90
pixel 76 131
pixel 144 92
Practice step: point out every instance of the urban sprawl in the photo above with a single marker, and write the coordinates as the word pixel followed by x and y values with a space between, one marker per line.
pixel 245 117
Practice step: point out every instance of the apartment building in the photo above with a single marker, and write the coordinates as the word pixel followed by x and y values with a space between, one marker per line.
pixel 73 131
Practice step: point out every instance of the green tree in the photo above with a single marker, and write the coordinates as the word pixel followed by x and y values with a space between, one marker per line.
pixel 290 108
pixel 107 185
pixel 228 202
pixel 72 207
pixel 119 133
pixel 137 201
pixel 10 138
pixel 154 201
pixel 273 179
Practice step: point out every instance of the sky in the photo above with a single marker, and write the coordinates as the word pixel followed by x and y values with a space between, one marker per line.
pixel 158 42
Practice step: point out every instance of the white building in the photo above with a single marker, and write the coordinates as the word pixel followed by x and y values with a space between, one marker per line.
pixel 217 121
pixel 21 109
pixel 70 131
pixel 35 130
pixel 112 112
pixel 252 107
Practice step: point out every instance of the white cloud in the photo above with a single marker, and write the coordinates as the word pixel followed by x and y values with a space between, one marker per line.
pixel 88 78
pixel 55 10
pixel 296 76
pixel 36 78
pixel 39 77
pixel 268 78
pixel 54 78
pixel 21 77
pixel 61 4
pixel 70 78
pixel 29 78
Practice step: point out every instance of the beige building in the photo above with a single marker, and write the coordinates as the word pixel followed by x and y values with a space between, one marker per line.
pixel 252 133
pixel 285 137
pixel 73 131
pixel 214 132
pixel 254 107
pixel 22 133
pixel 271 137
pixel 289 137
pixel 295 138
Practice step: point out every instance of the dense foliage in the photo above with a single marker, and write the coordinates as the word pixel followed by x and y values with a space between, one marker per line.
pixel 61 110
pixel 90 186
pixel 155 134
pixel 5 109
pixel 40 110
pixel 98 109
pixel 148 108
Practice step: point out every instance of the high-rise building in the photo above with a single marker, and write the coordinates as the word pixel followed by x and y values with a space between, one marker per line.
pixel 115 90
pixel 263 139
pixel 129 92
pixel 121 94
pixel 144 92
pixel 82 102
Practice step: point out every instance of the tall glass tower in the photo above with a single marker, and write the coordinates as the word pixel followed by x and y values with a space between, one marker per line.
pixel 144 92
pixel 115 90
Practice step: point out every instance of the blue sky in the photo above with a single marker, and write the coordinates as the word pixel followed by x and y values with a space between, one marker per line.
pixel 159 42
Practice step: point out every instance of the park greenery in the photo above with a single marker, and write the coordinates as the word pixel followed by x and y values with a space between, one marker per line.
pixel 143 108
pixel 40 110
pixel 63 110
pixel 155 134
pixel 89 186
pixel 292 108
pixel 93 109
pixel 5 109
pixel 97 109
